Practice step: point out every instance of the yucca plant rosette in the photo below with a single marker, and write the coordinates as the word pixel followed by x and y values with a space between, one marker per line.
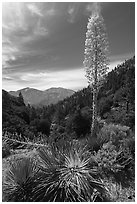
pixel 68 176
pixel 20 179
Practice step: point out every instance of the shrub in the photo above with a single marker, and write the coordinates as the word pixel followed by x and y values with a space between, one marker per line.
pixel 105 104
pixel 5 151
pixel 68 176
pixel 115 163
pixel 118 193
pixel 5 148
pixel 120 116
pixel 44 126
pixel 19 181
pixel 106 157
pixel 113 133
pixel 79 123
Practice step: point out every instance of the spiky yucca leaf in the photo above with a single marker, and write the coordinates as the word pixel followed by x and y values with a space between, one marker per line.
pixel 70 176
pixel 20 180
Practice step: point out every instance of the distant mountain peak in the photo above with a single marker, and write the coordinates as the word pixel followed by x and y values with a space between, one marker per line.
pixel 47 97
pixel 26 89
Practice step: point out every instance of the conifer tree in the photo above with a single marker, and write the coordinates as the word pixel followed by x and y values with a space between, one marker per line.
pixel 21 99
pixel 96 59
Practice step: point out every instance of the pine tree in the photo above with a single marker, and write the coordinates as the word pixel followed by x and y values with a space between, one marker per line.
pixel 96 60
pixel 21 100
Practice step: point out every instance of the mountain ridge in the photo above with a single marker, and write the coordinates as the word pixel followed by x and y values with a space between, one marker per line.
pixel 37 97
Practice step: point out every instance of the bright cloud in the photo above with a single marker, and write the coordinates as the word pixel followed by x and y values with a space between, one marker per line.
pixel 72 79
pixel 45 80
pixel 34 9
pixel 22 23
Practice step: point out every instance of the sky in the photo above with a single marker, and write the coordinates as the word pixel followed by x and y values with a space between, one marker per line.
pixel 43 42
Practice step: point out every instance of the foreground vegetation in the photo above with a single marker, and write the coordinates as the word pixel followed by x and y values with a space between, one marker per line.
pixel 48 154
pixel 76 170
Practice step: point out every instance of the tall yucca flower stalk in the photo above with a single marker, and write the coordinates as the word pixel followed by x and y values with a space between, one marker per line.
pixel 96 60
pixel 20 180
pixel 69 176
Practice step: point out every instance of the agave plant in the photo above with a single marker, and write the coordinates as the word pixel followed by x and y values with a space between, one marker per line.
pixel 68 176
pixel 19 181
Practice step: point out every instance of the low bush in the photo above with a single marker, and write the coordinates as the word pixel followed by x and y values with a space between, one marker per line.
pixel 5 148
pixel 114 163
pixel 19 181
pixel 5 151
pixel 118 193
pixel 105 104
pixel 120 116
pixel 113 133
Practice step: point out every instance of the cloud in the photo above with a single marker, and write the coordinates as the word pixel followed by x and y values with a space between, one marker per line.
pixel 8 52
pixel 51 12
pixel 94 7
pixel 116 60
pixel 33 77
pixel 7 78
pixel 73 11
pixel 13 16
pixel 121 57
pixel 34 9
pixel 21 23
pixel 27 25
pixel 45 79
pixel 75 8
pixel 40 30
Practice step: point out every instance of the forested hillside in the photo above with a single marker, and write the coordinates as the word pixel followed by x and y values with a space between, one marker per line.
pixel 15 116
pixel 116 104
pixel 116 100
